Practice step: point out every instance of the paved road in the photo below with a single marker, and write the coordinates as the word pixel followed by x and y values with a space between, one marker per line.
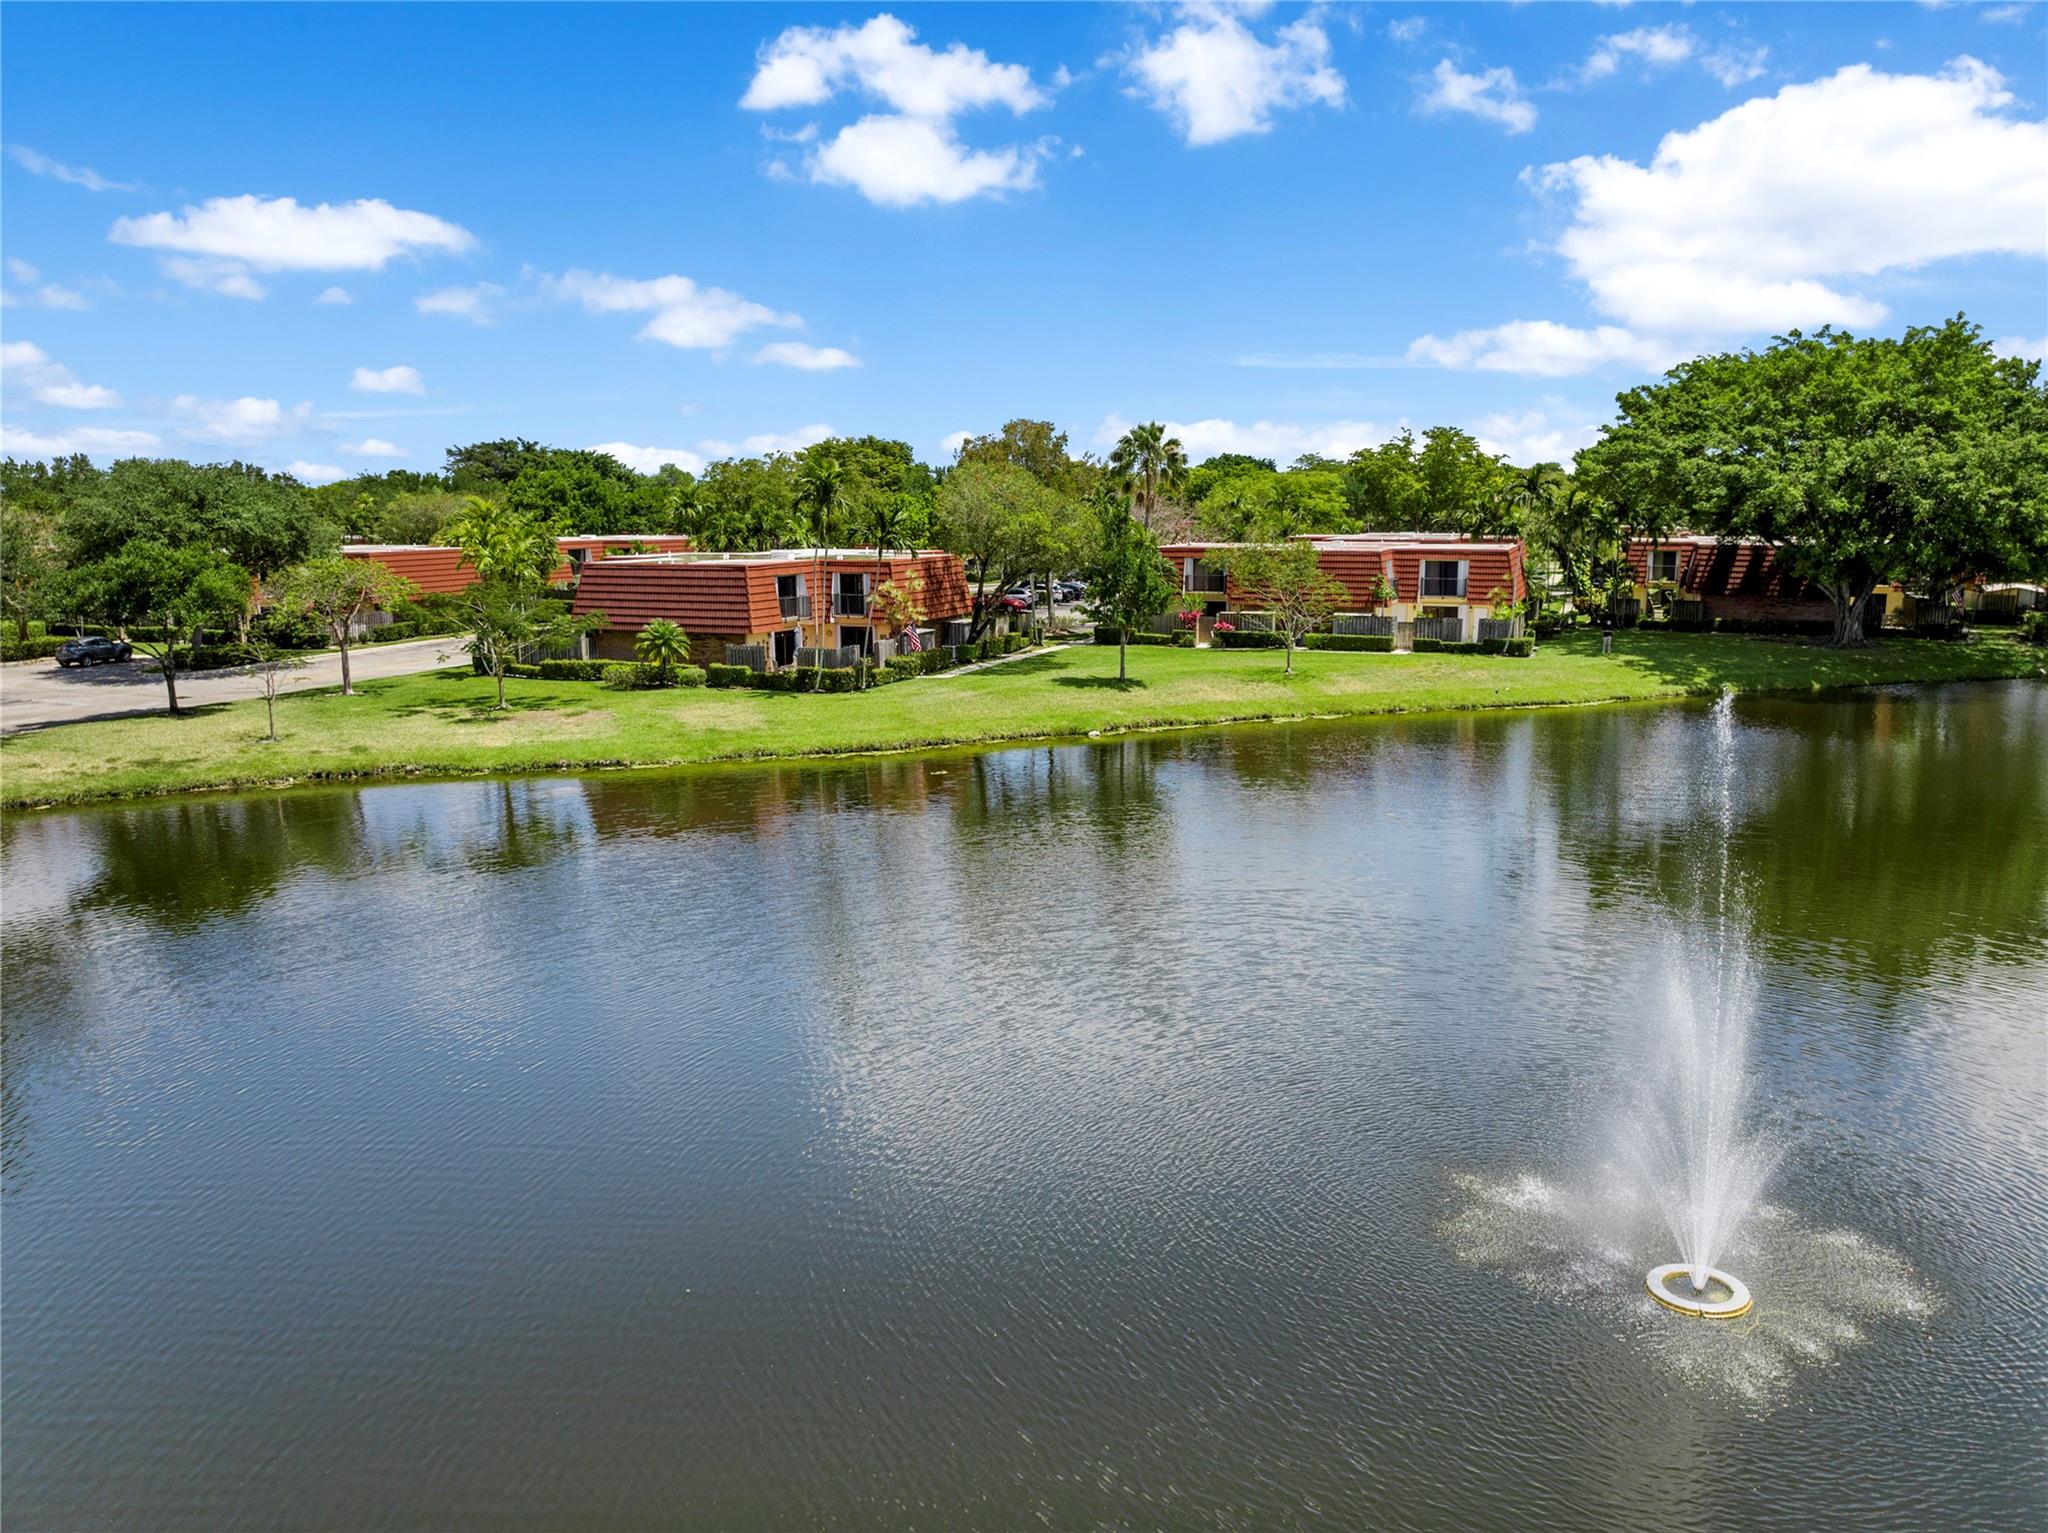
pixel 37 693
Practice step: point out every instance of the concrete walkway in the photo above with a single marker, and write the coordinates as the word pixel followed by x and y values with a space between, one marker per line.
pixel 1022 654
pixel 35 694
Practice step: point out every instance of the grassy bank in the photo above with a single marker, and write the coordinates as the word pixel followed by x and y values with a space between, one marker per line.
pixel 440 724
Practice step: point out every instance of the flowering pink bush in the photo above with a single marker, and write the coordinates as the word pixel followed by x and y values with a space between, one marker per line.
pixel 1190 616
pixel 1224 625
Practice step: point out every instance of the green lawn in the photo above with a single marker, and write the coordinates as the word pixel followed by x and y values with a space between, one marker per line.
pixel 440 723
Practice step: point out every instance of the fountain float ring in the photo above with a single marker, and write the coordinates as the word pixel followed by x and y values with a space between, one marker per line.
pixel 1724 1298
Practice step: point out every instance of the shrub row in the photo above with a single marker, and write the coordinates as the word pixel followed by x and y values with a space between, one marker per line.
pixel 1104 634
pixel 941 657
pixel 1242 639
pixel 41 648
pixel 2034 627
pixel 1520 648
pixel 637 676
pixel 1369 643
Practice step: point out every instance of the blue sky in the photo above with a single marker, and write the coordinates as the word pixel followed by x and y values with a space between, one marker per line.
pixel 682 231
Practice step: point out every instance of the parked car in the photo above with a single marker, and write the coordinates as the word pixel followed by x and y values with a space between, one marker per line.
pixel 1010 601
pixel 1068 590
pixel 92 650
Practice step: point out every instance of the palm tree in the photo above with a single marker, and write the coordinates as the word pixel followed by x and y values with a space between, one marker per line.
pixel 663 645
pixel 1149 461
pixel 819 489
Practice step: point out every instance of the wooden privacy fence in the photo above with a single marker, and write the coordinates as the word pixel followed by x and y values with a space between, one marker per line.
pixel 845 657
pixel 753 656
pixel 1500 627
pixel 1448 629
pixel 1368 624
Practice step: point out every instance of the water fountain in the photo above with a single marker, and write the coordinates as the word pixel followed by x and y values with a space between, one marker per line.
pixel 1690 1138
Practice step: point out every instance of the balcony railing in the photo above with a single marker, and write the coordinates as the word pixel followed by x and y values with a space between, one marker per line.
pixel 1438 586
pixel 850 604
pixel 1204 584
pixel 795 606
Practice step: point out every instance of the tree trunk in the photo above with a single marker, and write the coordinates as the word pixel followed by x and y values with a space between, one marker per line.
pixel 1121 651
pixel 346 689
pixel 1848 598
pixel 270 704
pixel 171 674
pixel 1287 643
pixel 499 671
pixel 21 625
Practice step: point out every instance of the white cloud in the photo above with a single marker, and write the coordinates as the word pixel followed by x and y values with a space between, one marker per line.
pixel 1542 349
pixel 50 295
pixel 50 382
pixel 1491 95
pixel 1735 64
pixel 278 234
pixel 388 380
pixel 94 441
pixel 1653 46
pixel 21 271
pixel 334 295
pixel 39 164
pixel 476 303
pixel 949 447
pixel 1282 441
pixel 684 314
pixel 2007 15
pixel 1749 222
pixel 236 421
pixel 807 66
pixel 374 447
pixel 314 473
pixel 899 162
pixel 811 359
pixel 1534 436
pixel 2033 349
pixel 1408 29
pixel 231 279
pixel 766 442
pixel 1216 80
pixel 650 460
pixel 912 153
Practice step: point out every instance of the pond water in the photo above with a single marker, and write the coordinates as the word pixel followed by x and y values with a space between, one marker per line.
pixel 1172 1132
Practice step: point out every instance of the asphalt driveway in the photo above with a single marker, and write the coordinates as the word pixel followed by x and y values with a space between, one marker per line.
pixel 35 694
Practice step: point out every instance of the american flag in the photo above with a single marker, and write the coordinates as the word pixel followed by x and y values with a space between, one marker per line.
pixel 912 644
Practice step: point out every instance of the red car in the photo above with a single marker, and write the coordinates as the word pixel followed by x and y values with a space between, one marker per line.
pixel 1012 602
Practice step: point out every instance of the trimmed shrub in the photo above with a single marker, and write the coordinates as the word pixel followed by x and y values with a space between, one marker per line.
pixel 35 649
pixel 1185 639
pixel 1521 648
pixel 1114 634
pixel 2034 627
pixel 619 677
pixel 573 670
pixel 389 633
pixel 518 668
pixel 903 667
pixel 1367 643
pixel 727 675
pixel 1238 638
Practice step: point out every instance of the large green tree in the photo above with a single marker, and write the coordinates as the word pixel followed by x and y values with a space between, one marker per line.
pixel 1286 579
pixel 1923 458
pixel 156 593
pixel 31 560
pixel 508 608
pixel 339 593
pixel 1128 580
pixel 994 515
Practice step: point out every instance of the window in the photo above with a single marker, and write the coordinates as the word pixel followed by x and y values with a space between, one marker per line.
pixel 1202 578
pixel 785 646
pixel 1443 577
pixel 790 597
pixel 849 595
pixel 1663 565
pixel 852 636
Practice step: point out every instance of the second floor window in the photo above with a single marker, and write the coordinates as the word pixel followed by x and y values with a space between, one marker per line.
pixel 851 593
pixel 1443 577
pixel 1201 577
pixel 1664 564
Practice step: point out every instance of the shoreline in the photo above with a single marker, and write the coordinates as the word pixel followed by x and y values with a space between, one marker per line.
pixel 1446 685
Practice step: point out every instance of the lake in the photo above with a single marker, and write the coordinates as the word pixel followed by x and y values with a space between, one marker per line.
pixel 1180 1131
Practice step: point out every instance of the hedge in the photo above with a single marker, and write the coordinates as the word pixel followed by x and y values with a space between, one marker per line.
pixel 1369 643
pixel 32 649
pixel 638 676
pixel 1520 648
pixel 571 670
pixel 1241 639
pixel 2034 627
pixel 1108 635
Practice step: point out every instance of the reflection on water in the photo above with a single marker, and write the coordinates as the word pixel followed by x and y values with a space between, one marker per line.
pixel 1080 1135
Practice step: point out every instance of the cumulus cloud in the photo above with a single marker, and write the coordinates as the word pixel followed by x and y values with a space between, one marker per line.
pixel 334 295
pixel 1282 441
pixel 1752 221
pixel 1656 47
pixel 2027 348
pixel 912 153
pixel 48 381
pixel 218 244
pixel 950 445
pixel 476 303
pixel 1541 348
pixel 93 441
pixel 899 162
pixel 682 313
pixel 1735 64
pixel 651 460
pixel 1407 29
pixel 236 422
pixel 49 295
pixel 766 442
pixel 314 473
pixel 1491 95
pixel 20 270
pixel 37 163
pixel 807 66
pixel 1216 79
pixel 1536 436
pixel 811 359
pixel 388 380
pixel 374 447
